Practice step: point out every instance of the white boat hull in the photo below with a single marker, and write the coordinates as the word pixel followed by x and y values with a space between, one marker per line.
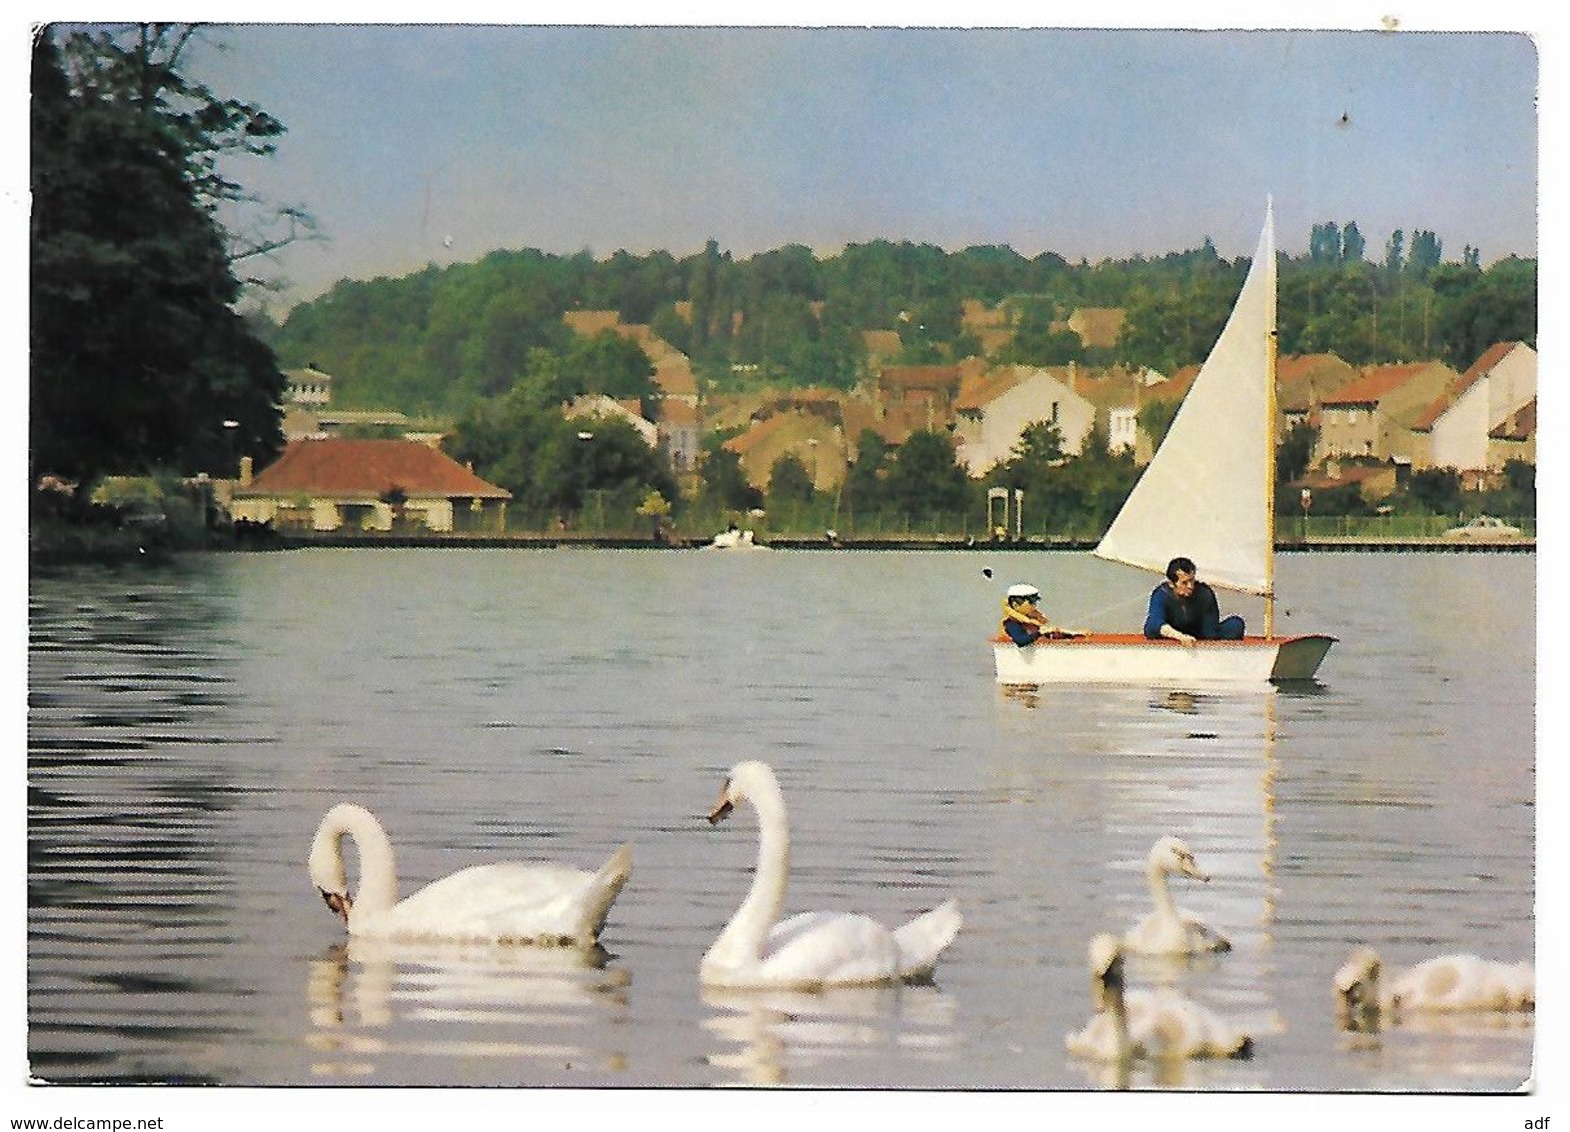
pixel 1123 658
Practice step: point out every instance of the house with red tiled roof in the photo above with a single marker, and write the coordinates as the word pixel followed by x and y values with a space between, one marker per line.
pixel 369 485
pixel 1173 388
pixel 994 408
pixel 1456 426
pixel 1375 414
pixel 925 392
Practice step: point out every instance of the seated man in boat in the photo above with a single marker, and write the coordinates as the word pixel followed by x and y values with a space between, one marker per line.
pixel 1183 608
pixel 1024 623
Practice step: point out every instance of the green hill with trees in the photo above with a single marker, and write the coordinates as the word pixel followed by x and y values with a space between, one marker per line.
pixel 440 339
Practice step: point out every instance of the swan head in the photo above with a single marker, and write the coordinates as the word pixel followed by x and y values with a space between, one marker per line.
pixel 1357 983
pixel 326 859
pixel 745 781
pixel 1171 855
pixel 1106 968
pixel 339 902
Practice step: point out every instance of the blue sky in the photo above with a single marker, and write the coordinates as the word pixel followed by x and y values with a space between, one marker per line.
pixel 417 144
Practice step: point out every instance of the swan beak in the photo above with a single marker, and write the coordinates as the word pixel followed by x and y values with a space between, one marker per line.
pixel 1191 869
pixel 721 810
pixel 339 902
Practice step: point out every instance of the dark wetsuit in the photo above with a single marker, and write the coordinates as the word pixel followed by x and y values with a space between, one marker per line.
pixel 1198 615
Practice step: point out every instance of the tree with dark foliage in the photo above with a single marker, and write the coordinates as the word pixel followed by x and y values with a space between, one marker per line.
pixel 138 354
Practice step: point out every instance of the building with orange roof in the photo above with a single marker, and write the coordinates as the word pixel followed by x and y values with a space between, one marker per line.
pixel 1456 428
pixel 369 485
pixel 923 392
pixel 1173 388
pixel 1375 414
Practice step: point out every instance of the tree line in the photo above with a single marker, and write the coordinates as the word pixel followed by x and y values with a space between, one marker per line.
pixel 441 338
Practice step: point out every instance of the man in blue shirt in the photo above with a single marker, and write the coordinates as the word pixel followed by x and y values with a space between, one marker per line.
pixel 1183 608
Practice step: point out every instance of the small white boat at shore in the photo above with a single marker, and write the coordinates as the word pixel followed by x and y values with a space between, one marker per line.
pixel 734 539
pixel 1209 494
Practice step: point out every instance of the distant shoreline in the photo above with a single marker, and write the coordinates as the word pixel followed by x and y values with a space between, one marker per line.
pixel 524 541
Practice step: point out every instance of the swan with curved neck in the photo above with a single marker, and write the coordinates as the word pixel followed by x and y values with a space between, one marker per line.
pixel 1169 930
pixel 1139 1023
pixel 1449 983
pixel 509 902
pixel 811 949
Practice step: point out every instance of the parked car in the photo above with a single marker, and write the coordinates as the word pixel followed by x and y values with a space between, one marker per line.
pixel 1484 527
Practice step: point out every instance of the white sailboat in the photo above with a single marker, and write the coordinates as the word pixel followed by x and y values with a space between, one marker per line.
pixel 1208 494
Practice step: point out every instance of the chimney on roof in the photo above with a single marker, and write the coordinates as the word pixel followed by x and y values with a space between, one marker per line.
pixel 245 471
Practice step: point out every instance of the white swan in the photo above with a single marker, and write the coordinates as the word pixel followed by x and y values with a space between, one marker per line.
pixel 1160 1024
pixel 1169 930
pixel 812 949
pixel 501 903
pixel 1449 983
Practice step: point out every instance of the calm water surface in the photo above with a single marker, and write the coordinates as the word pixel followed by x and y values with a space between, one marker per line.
pixel 189 725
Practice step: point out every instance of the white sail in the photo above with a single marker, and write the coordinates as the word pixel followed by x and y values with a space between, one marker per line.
pixel 1206 493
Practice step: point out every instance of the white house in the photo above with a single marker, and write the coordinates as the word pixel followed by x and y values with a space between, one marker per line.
pixel 1493 391
pixel 1122 429
pixel 994 408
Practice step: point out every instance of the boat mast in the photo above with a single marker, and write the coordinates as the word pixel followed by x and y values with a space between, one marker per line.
pixel 1272 344
pixel 1270 484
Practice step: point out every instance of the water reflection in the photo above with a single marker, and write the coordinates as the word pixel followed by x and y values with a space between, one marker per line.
pixel 769 1034
pixel 372 998
pixel 1480 1046
pixel 1200 764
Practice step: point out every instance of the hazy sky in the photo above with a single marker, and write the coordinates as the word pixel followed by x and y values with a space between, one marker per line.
pixel 417 144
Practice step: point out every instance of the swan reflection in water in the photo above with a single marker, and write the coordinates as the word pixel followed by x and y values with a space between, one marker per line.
pixel 369 999
pixel 770 1035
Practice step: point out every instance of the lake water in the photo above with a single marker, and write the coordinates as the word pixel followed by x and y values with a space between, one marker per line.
pixel 190 723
